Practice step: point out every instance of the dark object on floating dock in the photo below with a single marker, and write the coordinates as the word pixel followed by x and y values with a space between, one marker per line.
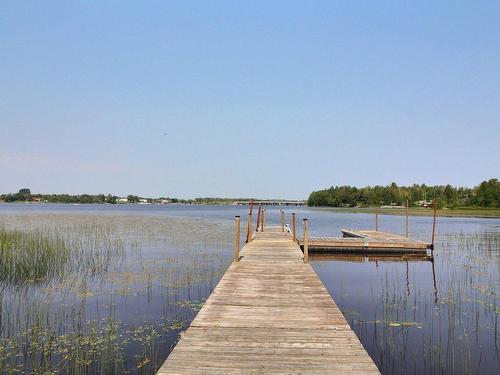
pixel 367 241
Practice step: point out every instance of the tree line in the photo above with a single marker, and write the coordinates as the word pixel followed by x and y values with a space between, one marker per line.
pixel 486 194
pixel 25 195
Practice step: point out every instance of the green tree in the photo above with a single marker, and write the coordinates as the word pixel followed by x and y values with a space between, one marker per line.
pixel 24 194
pixel 133 198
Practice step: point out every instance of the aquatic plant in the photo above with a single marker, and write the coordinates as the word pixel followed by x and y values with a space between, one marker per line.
pixel 117 291
pixel 31 256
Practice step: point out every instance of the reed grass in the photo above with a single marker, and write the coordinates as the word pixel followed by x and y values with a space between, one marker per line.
pixel 111 294
pixel 31 256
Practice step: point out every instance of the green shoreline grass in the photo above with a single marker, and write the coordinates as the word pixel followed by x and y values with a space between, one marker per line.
pixel 493 213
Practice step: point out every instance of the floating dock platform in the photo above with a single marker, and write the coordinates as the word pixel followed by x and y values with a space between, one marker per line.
pixel 367 241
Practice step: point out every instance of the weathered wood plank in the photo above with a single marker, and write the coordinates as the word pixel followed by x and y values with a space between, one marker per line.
pixel 269 314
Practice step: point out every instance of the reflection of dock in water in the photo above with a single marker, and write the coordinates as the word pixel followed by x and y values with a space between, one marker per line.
pixel 364 258
pixel 376 258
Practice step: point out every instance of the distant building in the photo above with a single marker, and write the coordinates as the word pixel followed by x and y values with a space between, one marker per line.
pixel 143 201
pixel 423 203
pixel 163 201
pixel 122 200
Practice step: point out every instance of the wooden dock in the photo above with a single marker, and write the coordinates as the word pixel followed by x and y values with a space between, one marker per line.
pixel 269 314
pixel 368 241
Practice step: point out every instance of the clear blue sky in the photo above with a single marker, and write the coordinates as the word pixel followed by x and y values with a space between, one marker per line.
pixel 264 99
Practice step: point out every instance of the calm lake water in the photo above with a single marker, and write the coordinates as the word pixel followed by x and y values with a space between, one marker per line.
pixel 107 289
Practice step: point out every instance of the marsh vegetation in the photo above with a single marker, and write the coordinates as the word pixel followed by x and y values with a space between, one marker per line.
pixel 85 294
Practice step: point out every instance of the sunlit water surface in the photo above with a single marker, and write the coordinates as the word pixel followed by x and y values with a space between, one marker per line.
pixel 132 277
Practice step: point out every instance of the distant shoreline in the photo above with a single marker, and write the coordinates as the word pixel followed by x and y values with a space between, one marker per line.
pixel 488 213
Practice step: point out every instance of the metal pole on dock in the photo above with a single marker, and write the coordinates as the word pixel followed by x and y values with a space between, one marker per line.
pixel 406 228
pixel 434 224
pixel 376 219
pixel 294 227
pixel 249 230
pixel 282 221
pixel 236 238
pixel 306 242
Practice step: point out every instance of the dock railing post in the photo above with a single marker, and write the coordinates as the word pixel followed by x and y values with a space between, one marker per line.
pixel 249 226
pixel 376 219
pixel 282 221
pixel 406 227
pixel 294 227
pixel 259 216
pixel 306 242
pixel 236 238
pixel 263 221
pixel 249 229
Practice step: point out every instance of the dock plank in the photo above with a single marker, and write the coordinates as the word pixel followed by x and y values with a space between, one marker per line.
pixel 269 314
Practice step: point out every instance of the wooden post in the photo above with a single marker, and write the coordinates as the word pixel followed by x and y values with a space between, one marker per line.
pixel 259 213
pixel 263 221
pixel 236 238
pixel 282 220
pixel 376 218
pixel 406 227
pixel 294 227
pixel 434 224
pixel 306 242
pixel 249 226
pixel 249 230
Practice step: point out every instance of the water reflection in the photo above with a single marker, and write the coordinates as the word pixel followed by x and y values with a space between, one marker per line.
pixel 364 257
pixel 376 258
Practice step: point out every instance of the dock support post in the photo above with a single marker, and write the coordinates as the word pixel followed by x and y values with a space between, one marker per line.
pixel 376 219
pixel 306 242
pixel 294 227
pixel 249 226
pixel 249 229
pixel 434 224
pixel 263 221
pixel 282 221
pixel 406 227
pixel 236 238
pixel 259 216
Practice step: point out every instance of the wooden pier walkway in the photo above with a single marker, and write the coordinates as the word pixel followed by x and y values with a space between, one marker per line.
pixel 269 314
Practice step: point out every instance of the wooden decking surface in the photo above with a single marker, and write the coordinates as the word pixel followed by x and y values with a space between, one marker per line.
pixel 368 240
pixel 269 314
